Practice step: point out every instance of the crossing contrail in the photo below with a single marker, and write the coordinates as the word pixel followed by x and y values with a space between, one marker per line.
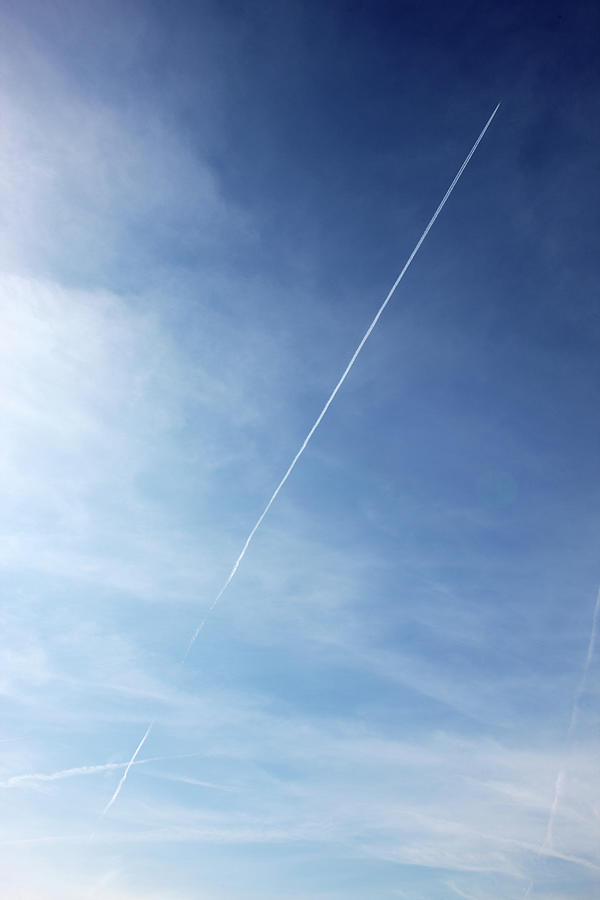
pixel 127 768
pixel 316 424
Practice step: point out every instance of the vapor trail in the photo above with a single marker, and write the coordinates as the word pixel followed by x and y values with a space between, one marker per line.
pixel 319 419
pixel 573 721
pixel 343 377
pixel 560 778
pixel 127 768
pixel 33 778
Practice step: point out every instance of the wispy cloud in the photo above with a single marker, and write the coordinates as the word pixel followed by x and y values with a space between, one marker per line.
pixel 102 174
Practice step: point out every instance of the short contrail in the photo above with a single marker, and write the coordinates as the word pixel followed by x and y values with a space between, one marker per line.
pixel 127 768
pixel 560 778
pixel 318 420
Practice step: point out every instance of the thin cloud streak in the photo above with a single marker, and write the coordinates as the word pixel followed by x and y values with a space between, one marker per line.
pixel 319 419
pixel 195 782
pixel 246 834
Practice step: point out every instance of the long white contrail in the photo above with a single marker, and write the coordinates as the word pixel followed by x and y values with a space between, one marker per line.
pixel 343 377
pixel 319 419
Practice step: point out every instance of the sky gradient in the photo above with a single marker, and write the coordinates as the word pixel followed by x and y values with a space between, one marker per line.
pixel 202 206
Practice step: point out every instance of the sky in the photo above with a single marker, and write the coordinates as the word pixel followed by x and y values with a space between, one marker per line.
pixel 202 207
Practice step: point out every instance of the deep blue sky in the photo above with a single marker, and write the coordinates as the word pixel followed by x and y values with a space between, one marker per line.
pixel 202 207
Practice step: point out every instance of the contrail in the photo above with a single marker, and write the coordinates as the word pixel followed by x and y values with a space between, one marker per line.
pixel 459 891
pixel 573 721
pixel 127 768
pixel 560 778
pixel 343 377
pixel 319 419
pixel 36 777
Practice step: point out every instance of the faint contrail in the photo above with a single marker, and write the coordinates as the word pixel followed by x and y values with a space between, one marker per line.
pixel 319 419
pixel 560 778
pixel 573 721
pixel 459 891
pixel 127 768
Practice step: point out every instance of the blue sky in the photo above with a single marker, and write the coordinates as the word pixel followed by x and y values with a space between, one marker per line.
pixel 202 206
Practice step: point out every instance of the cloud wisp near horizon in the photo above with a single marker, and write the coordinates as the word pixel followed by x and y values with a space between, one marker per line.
pixel 197 207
